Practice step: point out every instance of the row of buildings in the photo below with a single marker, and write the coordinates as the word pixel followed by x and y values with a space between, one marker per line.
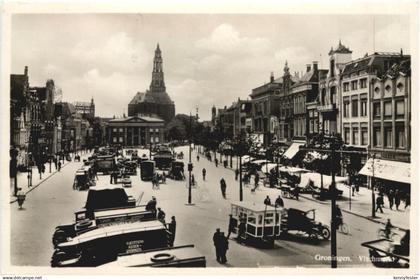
pixel 365 101
pixel 41 126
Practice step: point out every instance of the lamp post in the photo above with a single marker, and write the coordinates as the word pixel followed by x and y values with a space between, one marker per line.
pixel 190 167
pixel 372 184
pixel 13 168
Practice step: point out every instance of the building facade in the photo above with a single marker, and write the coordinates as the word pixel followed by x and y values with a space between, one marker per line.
pixel 329 90
pixel 155 101
pixel 135 131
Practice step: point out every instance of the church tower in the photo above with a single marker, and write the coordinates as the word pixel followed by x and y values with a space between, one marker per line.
pixel 158 82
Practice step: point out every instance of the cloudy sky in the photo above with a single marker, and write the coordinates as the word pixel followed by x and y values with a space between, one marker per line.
pixel 207 59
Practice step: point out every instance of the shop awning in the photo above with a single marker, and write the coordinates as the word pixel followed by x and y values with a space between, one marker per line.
pixel 388 170
pixel 292 150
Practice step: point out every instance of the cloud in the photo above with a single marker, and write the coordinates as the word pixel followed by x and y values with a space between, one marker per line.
pixel 393 37
pixel 120 52
pixel 226 39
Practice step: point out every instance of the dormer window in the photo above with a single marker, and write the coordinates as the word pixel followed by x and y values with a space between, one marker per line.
pixel 400 87
pixel 377 89
pixel 388 88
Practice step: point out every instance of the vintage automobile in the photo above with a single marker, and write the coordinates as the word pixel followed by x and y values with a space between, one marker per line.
pixel 82 180
pixel 130 168
pixel 179 256
pixel 147 170
pixel 104 244
pixel 103 206
pixel 262 222
pixel 326 193
pixel 105 164
pixel 177 171
pixel 304 221
pixel 387 253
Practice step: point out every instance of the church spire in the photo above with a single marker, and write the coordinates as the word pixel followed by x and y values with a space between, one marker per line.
pixel 158 82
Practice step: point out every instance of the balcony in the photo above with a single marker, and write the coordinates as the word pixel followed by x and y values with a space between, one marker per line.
pixel 326 108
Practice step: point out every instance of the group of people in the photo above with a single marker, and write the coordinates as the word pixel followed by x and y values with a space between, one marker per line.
pixel 279 203
pixel 221 244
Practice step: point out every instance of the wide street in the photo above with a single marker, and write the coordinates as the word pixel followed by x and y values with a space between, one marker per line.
pixel 54 202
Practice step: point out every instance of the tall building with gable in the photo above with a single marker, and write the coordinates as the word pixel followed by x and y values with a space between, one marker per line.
pixel 155 102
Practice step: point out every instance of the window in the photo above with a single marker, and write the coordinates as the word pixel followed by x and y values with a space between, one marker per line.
pixel 121 139
pixel 387 110
pixel 332 64
pixel 347 135
pixel 353 85
pixel 363 107
pixel 364 133
pixel 114 139
pixel 355 136
pixel 399 108
pixel 333 92
pixel 157 130
pixel 151 139
pixel 363 83
pixel 377 110
pixel 346 87
pixel 388 137
pixel 156 139
pixel 354 108
pixel 121 129
pixel 114 130
pixel 377 136
pixel 151 129
pixel 400 137
pixel 346 111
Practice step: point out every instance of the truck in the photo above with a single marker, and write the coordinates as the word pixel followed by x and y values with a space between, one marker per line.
pixel 104 206
pixel 105 244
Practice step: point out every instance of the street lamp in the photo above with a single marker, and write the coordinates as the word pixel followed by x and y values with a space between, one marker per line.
pixel 190 167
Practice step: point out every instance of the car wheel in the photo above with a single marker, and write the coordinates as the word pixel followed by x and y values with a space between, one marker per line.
pixel 326 233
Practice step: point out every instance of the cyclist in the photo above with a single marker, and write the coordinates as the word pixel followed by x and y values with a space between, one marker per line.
pixel 338 216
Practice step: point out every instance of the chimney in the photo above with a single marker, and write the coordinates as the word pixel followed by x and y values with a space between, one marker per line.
pixel 272 77
pixel 315 65
pixel 26 71
pixel 308 67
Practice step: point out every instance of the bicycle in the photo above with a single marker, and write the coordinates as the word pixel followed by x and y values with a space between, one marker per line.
pixel 382 234
pixel 343 228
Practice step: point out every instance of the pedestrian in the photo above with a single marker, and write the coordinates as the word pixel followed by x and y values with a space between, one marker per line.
pixel 390 198
pixel 224 246
pixel 111 177
pixel 241 231
pixel 192 180
pixel 225 163
pixel 216 162
pixel 198 158
pixel 407 200
pixel 161 215
pixel 172 230
pixel 256 181
pixel 236 174
pixel 59 165
pixel 163 177
pixel 151 205
pixel 204 174
pixel 223 187
pixel 217 244
pixel 379 203
pixel 353 188
pixel 153 181
pixel 296 191
pixel 397 199
pixel 267 200
pixel 279 202
pixel 55 163
pixel 232 225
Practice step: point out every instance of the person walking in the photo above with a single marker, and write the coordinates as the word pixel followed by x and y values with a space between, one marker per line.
pixel 224 246
pixel 236 174
pixel 267 200
pixel 111 177
pixel 216 161
pixel 256 181
pixel 379 203
pixel 217 244
pixel 390 195
pixel 172 230
pixel 223 187
pixel 241 231
pixel 397 198
pixel 232 225
pixel 407 200
pixel 279 203
pixel 198 158
pixel 151 205
pixel 161 215
pixel 204 174
pixel 59 165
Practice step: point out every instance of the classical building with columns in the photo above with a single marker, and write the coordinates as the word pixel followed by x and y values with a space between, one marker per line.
pixel 135 131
